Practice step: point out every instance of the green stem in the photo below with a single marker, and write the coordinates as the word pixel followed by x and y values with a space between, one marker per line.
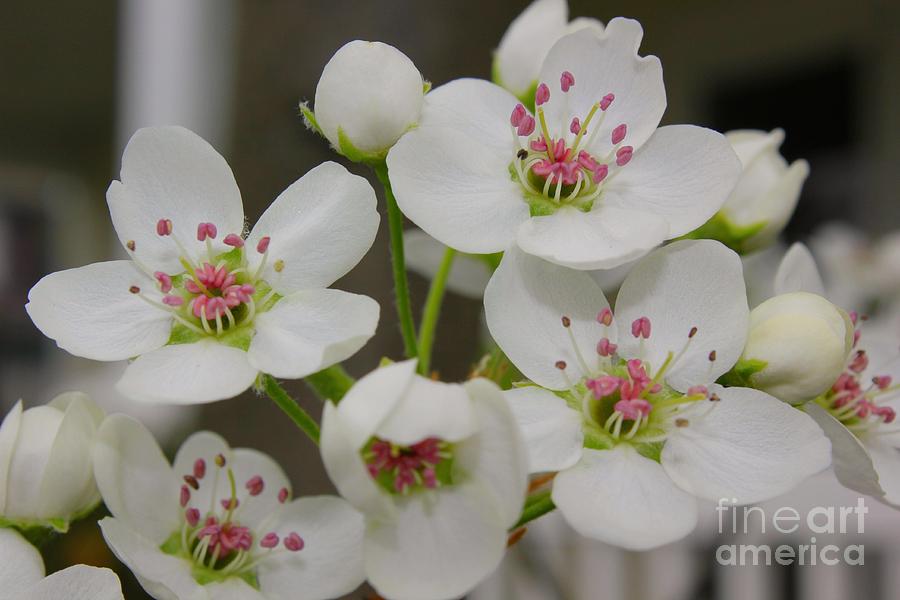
pixel 398 260
pixel 290 407
pixel 331 383
pixel 537 505
pixel 433 310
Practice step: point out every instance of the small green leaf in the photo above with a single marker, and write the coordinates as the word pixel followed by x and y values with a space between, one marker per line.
pixel 346 148
pixel 309 118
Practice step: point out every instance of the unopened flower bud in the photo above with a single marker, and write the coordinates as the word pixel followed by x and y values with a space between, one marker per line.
pixel 800 343
pixel 49 480
pixel 368 96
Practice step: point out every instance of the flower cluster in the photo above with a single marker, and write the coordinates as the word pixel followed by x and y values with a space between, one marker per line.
pixel 542 193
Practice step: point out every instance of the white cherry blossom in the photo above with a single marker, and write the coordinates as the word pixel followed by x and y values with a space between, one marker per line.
pixel 589 181
pixel 220 523
pixel 201 307
pixel 439 471
pixel 624 406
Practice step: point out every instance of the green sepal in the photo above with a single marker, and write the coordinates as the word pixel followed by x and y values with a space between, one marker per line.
pixel 742 372
pixel 309 118
pixel 721 228
pixel 653 450
pixel 347 149
pixel 596 438
pixel 426 87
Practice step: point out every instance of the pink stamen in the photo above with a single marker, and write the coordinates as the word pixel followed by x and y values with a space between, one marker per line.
pixel 164 227
pixel 606 101
pixel 206 230
pixel 234 240
pixel 185 496
pixel 631 409
pixel 255 485
pixel 603 386
pixel 199 468
pixel 860 362
pixel 606 348
pixel 229 503
pixel 263 244
pixel 165 282
pixel 698 390
pixel 192 516
pixel 600 173
pixel 566 81
pixel 172 300
pixel 270 540
pixel 623 155
pixel 294 542
pixel 605 317
pixel 575 125
pixel 618 134
pixel 518 113
pixel 282 495
pixel 539 145
pixel 541 95
pixel 640 328
pixel 882 382
pixel 526 126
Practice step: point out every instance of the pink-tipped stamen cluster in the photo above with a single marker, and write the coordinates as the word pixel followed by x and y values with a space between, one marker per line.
pixel 211 295
pixel 407 468
pixel 858 403
pixel 628 389
pixel 213 535
pixel 559 164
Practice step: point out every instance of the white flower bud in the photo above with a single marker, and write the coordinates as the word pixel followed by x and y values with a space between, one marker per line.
pixel 799 343
pixel 46 472
pixel 368 96
pixel 767 192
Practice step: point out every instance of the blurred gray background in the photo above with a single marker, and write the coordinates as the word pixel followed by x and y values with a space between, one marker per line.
pixel 78 78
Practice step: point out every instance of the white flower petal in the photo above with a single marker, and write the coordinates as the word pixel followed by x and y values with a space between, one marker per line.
pixel 430 409
pixel 79 582
pixel 551 429
pixel 246 464
pixel 9 434
pixel 438 547
pixel 90 311
pixel 886 460
pixel 340 447
pixel 750 144
pixel 233 589
pixel 603 64
pixel 310 330
pixel 135 479
pixel 798 272
pixel 622 498
pixel 67 485
pixel 496 455
pixel 163 576
pixel 331 562
pixel 683 174
pixel 195 373
pixel 37 431
pixel 204 445
pixel 371 399
pixel 172 173
pixel 683 285
pixel 451 174
pixel 850 459
pixel 750 446
pixel 21 565
pixel 524 304
pixel 468 275
pixel 604 238
pixel 517 61
pixel 319 228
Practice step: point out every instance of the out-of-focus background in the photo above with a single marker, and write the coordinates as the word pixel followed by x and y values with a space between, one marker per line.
pixel 78 78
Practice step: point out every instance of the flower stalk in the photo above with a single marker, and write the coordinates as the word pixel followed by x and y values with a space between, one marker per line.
pixel 398 261
pixel 294 411
pixel 331 383
pixel 432 310
pixel 536 505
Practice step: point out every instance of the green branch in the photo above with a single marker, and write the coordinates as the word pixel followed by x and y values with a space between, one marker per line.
pixel 300 417
pixel 433 311
pixel 537 505
pixel 398 261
